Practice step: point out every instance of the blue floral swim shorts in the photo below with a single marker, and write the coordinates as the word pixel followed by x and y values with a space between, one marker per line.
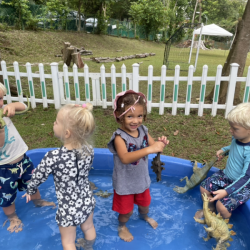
pixel 220 181
pixel 13 177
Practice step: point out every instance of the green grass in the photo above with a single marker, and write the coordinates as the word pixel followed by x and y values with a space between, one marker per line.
pixel 198 138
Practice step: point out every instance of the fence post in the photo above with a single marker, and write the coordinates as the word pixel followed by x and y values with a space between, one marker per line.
pixel 18 81
pixel 55 82
pixel 113 84
pixel 43 86
pixel 202 90
pixel 135 79
pixel 103 86
pixel 162 90
pixel 76 84
pixel 86 78
pixel 231 87
pixel 216 90
pixel 6 81
pixel 124 85
pixel 189 89
pixel 150 87
pixel 176 88
pixel 247 88
pixel 66 82
pixel 31 86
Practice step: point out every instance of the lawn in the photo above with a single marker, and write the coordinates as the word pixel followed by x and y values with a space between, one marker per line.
pixel 198 138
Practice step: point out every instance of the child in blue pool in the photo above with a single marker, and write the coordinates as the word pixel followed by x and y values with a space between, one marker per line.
pixel 131 144
pixel 70 166
pixel 231 187
pixel 15 166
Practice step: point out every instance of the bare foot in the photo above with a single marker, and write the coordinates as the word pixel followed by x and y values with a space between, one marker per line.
pixel 125 234
pixel 199 214
pixel 151 222
pixel 16 224
pixel 43 203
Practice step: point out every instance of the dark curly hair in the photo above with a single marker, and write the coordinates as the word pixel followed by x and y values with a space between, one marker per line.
pixel 129 99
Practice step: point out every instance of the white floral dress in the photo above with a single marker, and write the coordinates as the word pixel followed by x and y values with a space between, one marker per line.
pixel 70 169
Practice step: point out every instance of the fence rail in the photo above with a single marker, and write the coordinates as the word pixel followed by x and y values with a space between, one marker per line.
pixel 95 91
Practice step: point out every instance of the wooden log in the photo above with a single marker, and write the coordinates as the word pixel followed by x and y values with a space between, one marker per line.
pixel 68 55
pixel 152 54
pixel 76 57
pixel 66 45
pixel 140 55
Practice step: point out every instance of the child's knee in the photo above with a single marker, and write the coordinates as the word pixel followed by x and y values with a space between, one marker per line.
pixel 222 210
pixel 87 226
pixel 143 210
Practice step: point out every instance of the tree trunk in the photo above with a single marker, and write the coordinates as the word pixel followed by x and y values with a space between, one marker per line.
pixel 68 55
pixel 76 58
pixel 194 11
pixel 66 45
pixel 237 54
pixel 79 15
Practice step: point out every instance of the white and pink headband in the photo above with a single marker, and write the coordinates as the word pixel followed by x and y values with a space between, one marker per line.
pixel 132 108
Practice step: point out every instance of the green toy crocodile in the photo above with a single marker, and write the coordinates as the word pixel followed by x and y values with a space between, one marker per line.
pixel 2 122
pixel 218 228
pixel 199 174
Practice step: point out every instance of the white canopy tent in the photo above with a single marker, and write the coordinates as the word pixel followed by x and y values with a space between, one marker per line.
pixel 209 30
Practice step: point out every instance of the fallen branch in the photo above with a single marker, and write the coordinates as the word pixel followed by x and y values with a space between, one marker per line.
pixel 121 58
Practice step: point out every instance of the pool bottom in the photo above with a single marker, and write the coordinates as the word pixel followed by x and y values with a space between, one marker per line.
pixel 173 212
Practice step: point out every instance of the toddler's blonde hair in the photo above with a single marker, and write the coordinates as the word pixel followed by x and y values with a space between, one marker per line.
pixel 80 122
pixel 3 88
pixel 240 115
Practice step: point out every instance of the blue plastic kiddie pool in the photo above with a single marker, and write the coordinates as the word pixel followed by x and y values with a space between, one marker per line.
pixel 173 212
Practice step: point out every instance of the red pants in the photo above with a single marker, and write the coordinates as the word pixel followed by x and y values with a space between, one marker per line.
pixel 123 204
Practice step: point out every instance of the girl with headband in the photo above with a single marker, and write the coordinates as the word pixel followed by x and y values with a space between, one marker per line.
pixel 131 144
pixel 70 166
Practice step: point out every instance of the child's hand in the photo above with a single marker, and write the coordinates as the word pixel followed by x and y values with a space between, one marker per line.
pixel 164 140
pixel 218 154
pixel 11 110
pixel 219 194
pixel 28 197
pixel 158 146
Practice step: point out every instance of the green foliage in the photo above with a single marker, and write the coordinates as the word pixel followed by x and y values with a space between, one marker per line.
pixel 176 13
pixel 224 13
pixel 149 13
pixel 22 10
pixel 31 24
pixel 59 9
pixel 102 24
pixel 4 27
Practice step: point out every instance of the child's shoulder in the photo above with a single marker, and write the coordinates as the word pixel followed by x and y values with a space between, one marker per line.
pixel 54 152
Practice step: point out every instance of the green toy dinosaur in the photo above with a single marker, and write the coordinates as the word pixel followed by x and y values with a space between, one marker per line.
pixel 2 122
pixel 199 174
pixel 218 228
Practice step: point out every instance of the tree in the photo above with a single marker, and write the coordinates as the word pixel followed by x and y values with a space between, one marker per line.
pixel 59 8
pixel 237 54
pixel 78 5
pixel 101 9
pixel 151 14
pixel 22 10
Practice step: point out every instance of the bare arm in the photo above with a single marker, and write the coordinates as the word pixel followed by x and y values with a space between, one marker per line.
pixel 129 157
pixel 2 137
pixel 13 107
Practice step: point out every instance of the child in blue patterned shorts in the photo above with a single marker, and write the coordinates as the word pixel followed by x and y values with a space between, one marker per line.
pixel 15 166
pixel 231 187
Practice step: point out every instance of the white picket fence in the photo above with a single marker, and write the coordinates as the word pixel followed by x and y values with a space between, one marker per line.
pixel 61 87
